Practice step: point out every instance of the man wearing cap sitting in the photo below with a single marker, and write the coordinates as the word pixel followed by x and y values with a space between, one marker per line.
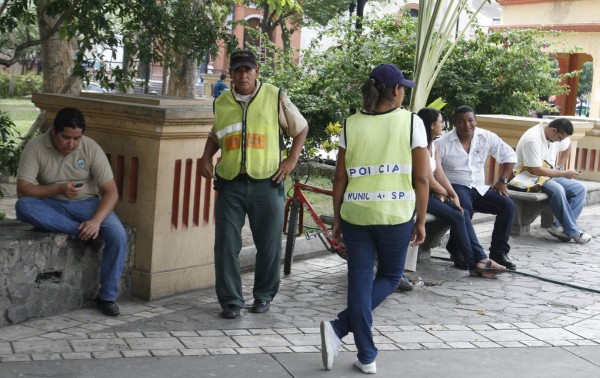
pixel 249 123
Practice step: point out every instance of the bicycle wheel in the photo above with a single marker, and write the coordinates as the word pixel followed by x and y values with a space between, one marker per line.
pixel 292 226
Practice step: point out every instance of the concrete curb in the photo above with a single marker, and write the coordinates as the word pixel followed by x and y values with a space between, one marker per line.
pixel 303 249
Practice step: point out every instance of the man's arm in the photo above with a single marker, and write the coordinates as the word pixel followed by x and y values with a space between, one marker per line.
pixel 289 163
pixel 108 199
pixel 206 166
pixel 28 189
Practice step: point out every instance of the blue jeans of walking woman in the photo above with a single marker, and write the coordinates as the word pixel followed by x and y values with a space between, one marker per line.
pixel 367 290
pixel 65 216
pixel 465 239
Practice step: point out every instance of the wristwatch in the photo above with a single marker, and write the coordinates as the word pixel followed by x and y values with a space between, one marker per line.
pixel 503 180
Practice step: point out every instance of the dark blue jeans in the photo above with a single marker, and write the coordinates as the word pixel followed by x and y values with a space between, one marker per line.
pixel 461 227
pixel 365 293
pixel 490 203
pixel 65 216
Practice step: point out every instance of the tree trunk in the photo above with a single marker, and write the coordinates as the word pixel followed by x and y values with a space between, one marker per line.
pixel 183 77
pixel 57 55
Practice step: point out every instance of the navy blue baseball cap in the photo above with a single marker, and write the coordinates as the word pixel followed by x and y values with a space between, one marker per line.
pixel 389 75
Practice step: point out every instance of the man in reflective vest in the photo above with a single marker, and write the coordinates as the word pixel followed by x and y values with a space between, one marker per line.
pixel 249 123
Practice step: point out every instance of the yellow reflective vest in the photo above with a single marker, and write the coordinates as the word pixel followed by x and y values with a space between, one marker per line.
pixel 248 137
pixel 379 167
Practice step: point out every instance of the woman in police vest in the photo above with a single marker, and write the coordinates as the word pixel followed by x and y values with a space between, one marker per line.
pixel 381 180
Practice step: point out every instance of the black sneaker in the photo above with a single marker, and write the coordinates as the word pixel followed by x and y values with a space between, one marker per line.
pixel 108 308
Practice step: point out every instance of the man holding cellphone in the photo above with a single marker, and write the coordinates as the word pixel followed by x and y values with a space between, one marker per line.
pixel 542 143
pixel 65 184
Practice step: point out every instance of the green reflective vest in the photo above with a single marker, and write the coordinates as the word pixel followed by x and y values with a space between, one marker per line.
pixel 248 137
pixel 379 167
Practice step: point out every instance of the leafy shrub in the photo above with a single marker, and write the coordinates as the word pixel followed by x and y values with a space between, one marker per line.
pixel 25 85
pixel 10 152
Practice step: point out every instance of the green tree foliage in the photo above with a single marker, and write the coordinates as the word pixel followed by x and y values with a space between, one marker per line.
pixel 503 72
pixel 585 80
pixel 326 84
pixel 149 30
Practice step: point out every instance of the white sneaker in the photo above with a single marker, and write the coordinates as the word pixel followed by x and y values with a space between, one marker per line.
pixel 582 238
pixel 366 368
pixel 559 233
pixel 330 344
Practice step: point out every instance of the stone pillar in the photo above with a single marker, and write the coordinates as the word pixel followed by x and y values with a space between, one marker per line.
pixel 154 144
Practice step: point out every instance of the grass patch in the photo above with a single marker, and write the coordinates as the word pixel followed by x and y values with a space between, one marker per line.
pixel 22 112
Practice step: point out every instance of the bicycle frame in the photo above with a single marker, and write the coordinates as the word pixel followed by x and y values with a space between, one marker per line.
pixel 331 244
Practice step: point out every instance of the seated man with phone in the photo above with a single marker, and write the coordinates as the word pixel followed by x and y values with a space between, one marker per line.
pixel 567 197
pixel 65 184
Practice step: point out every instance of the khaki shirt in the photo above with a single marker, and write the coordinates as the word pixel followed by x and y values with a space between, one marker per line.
pixel 41 163
pixel 291 121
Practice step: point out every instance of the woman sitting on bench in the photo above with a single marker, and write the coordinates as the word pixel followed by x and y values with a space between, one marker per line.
pixel 444 204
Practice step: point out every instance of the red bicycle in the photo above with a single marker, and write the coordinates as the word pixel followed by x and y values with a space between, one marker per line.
pixel 294 217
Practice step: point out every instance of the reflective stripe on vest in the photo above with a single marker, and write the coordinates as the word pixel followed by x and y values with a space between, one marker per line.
pixel 379 167
pixel 249 137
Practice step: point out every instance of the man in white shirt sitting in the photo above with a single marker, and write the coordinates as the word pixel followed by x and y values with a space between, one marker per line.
pixel 567 196
pixel 463 152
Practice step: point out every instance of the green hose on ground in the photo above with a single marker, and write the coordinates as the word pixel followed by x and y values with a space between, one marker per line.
pixel 583 288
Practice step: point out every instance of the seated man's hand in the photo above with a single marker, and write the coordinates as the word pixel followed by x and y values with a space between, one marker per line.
pixel 89 229
pixel 69 190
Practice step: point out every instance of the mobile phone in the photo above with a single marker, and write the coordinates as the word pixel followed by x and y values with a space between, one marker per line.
pixel 78 185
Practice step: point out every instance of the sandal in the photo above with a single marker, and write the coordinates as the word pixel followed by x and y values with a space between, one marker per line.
pixel 489 275
pixel 488 266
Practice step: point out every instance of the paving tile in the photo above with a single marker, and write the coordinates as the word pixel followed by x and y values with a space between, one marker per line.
pixel 157 334
pixel 303 339
pixel 452 336
pixel 502 326
pixel 165 352
pixel 5 348
pixel 18 332
pixel 434 346
pixel 274 349
pixel 102 335
pixel 486 344
pixel 221 351
pixel 512 344
pixel 461 345
pixel 305 349
pixel 49 346
pixel 525 325
pixel 551 334
pixel 136 353
pixel 262 331
pixel 152 343
pixel 210 333
pixel 209 342
pixel 76 356
pixel 194 352
pixel 386 346
pixel 287 331
pixel 236 332
pixel 505 335
pixel 480 327
pixel 46 356
pixel 263 341
pixel 53 323
pixel 535 343
pixel 311 330
pixel 99 345
pixel 15 358
pixel 412 346
pixel 123 335
pixel 410 337
pixel 183 333
pixel 560 343
pixel 109 354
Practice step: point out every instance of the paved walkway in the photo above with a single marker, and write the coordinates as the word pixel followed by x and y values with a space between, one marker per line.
pixel 451 324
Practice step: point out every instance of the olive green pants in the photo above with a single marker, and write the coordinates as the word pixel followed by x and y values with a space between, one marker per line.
pixel 263 204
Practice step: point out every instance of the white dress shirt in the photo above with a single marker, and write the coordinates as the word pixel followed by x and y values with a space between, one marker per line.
pixel 467 169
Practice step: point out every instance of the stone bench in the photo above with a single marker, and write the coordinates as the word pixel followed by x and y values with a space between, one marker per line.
pixel 44 273
pixel 528 206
